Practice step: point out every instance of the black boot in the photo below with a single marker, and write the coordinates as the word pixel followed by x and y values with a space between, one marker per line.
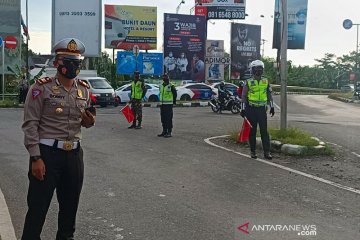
pixel 138 126
pixel 163 133
pixel 267 156
pixel 168 133
pixel 253 155
pixel 133 125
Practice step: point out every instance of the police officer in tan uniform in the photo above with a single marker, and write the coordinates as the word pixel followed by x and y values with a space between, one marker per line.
pixel 55 110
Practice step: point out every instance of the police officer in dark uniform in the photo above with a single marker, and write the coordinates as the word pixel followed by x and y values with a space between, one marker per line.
pixel 138 91
pixel 167 100
pixel 222 95
pixel 256 95
pixel 54 112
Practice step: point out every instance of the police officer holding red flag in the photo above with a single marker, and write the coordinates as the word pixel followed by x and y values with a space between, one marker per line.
pixel 54 112
pixel 256 95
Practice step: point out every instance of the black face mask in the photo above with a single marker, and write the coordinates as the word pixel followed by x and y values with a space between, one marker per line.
pixel 70 68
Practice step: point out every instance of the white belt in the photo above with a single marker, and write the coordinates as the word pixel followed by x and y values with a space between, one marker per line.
pixel 64 145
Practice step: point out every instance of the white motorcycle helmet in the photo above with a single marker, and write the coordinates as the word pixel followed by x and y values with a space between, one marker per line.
pixel 257 67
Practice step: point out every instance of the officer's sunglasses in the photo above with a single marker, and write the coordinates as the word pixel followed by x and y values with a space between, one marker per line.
pixel 74 62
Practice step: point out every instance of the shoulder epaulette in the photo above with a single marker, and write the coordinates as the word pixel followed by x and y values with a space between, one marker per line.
pixel 43 80
pixel 83 83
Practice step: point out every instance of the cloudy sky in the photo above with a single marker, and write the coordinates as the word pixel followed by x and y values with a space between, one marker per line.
pixel 325 33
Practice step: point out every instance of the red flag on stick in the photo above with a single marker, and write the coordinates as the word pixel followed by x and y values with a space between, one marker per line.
pixel 128 114
pixel 93 98
pixel 245 131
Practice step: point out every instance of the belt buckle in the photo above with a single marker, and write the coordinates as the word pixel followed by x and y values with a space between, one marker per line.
pixel 68 146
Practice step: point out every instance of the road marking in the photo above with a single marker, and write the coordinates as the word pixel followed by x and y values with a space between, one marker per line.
pixel 6 228
pixel 277 106
pixel 350 189
pixel 356 154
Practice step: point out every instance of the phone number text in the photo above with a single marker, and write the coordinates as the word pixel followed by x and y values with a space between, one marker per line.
pixel 85 14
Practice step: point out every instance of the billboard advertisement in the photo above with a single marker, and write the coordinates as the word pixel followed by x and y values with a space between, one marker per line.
pixel 297 17
pixel 145 63
pixel 184 46
pixel 126 26
pixel 245 48
pixel 220 9
pixel 10 29
pixel 214 60
pixel 79 19
pixel 237 3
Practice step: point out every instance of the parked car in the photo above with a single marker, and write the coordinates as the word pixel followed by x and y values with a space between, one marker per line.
pixel 101 89
pixel 152 94
pixel 347 88
pixel 192 91
pixel 228 86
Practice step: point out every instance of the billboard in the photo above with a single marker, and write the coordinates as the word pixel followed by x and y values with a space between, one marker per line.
pixel 145 63
pixel 79 19
pixel 297 17
pixel 184 46
pixel 126 26
pixel 10 27
pixel 214 60
pixel 245 48
pixel 220 9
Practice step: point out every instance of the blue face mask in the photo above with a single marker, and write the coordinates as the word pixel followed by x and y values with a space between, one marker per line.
pixel 70 68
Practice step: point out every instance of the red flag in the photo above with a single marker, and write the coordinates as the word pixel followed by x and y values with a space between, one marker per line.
pixel 93 98
pixel 245 131
pixel 129 115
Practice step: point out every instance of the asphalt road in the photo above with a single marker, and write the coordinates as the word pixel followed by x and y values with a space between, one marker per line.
pixel 139 186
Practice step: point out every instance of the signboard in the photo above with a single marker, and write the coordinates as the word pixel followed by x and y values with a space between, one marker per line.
pixel 10 42
pixel 215 60
pixel 220 9
pixel 297 17
pixel 126 26
pixel 10 26
pixel 1 41
pixel 145 63
pixel 233 3
pixel 184 46
pixel 245 48
pixel 79 19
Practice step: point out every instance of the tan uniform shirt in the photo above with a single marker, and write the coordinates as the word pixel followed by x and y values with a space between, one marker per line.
pixel 53 112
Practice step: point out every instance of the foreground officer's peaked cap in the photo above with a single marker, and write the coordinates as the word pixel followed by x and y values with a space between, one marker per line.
pixel 69 46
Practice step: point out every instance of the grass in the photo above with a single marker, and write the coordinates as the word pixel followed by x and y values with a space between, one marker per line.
pixel 8 103
pixel 293 136
pixel 347 95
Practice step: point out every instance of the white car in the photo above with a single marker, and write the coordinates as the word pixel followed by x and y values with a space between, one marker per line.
pixel 152 94
pixel 228 86
pixel 194 91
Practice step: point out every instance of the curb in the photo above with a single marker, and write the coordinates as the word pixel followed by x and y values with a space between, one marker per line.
pixel 186 104
pixel 292 149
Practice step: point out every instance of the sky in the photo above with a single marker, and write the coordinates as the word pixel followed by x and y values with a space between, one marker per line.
pixel 324 34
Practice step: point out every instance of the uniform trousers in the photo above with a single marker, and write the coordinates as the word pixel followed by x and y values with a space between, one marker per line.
pixel 65 173
pixel 166 113
pixel 257 115
pixel 136 107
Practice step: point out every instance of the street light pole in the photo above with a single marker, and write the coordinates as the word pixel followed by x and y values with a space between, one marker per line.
pixel 283 64
pixel 178 7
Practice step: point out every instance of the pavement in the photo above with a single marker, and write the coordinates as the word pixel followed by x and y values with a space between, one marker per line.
pixel 139 186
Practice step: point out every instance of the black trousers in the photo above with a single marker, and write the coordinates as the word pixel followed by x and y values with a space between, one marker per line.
pixel 65 173
pixel 257 115
pixel 166 112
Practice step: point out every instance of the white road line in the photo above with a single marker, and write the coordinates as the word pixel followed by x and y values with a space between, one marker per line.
pixel 6 228
pixel 350 189
pixel 277 106
pixel 356 154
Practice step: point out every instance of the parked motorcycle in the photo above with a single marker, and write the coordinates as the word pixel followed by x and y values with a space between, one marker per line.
pixel 231 103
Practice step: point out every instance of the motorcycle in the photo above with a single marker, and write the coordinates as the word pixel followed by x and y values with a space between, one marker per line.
pixel 231 103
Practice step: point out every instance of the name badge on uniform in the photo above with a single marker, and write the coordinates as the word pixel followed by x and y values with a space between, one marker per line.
pixel 79 93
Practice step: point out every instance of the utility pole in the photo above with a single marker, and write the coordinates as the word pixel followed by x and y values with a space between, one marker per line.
pixel 283 64
pixel 27 43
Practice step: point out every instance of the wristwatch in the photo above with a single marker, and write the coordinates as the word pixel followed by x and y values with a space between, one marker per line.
pixel 35 158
